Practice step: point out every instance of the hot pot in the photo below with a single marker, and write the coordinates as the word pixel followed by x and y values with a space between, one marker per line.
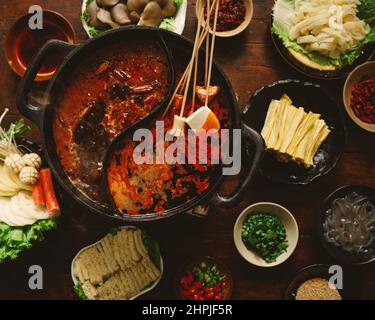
pixel 42 116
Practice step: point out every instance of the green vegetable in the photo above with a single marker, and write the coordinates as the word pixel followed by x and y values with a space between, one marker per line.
pixel 207 274
pixel 281 25
pixel 13 240
pixel 153 249
pixel 79 290
pixel 168 23
pixel 19 128
pixel 92 30
pixel 265 234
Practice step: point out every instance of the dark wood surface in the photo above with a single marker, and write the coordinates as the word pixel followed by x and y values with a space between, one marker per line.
pixel 250 61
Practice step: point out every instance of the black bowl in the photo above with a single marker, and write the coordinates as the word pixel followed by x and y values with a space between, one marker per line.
pixel 336 252
pixel 368 52
pixel 310 272
pixel 312 98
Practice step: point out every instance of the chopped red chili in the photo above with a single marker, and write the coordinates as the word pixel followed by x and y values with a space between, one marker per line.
pixel 231 14
pixel 363 100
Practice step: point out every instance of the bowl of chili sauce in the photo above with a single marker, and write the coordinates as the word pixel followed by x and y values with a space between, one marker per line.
pixel 359 96
pixel 234 16
pixel 23 42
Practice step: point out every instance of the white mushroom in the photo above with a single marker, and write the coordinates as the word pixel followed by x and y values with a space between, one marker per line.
pixel 107 3
pixel 29 175
pixel 105 17
pixel 137 5
pixel 134 16
pixel 151 15
pixel 92 10
pixel 14 162
pixel 32 160
pixel 168 8
pixel 120 14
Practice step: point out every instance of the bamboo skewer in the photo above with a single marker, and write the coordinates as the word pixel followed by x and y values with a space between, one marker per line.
pixel 183 86
pixel 182 83
pixel 195 53
pixel 208 16
pixel 212 50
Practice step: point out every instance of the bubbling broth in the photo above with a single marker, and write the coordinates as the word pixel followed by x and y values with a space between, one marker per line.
pixel 111 89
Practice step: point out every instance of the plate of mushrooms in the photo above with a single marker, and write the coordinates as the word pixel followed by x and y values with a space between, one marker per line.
pixel 101 15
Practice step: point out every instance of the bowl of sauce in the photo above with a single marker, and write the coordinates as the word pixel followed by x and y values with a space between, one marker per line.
pixel 234 16
pixel 22 43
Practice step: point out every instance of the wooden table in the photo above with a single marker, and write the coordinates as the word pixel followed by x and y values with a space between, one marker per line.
pixel 250 61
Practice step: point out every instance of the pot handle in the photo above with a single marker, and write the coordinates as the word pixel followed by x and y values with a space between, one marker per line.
pixel 250 135
pixel 32 112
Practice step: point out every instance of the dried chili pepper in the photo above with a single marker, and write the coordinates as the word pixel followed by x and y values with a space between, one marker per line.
pixel 363 100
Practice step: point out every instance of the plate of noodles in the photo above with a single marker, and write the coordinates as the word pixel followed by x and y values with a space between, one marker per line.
pixel 324 39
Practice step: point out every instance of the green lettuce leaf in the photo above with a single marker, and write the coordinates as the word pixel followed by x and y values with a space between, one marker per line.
pixel 153 249
pixel 79 290
pixel 280 27
pixel 168 23
pixel 13 240
pixel 84 17
pixel 19 128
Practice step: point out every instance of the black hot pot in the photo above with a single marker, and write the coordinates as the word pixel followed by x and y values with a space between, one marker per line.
pixel 252 143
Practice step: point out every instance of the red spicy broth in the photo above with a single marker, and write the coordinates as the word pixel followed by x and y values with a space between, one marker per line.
pixel 145 188
pixel 109 91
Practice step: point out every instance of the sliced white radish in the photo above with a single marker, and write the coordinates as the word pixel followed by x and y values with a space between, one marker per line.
pixel 7 215
pixel 19 215
pixel 4 207
pixel 26 203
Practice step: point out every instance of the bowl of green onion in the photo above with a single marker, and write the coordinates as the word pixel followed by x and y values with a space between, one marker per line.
pixel 265 234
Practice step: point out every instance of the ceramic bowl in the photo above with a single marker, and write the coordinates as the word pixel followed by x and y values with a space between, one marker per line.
pixel 287 220
pixel 364 70
pixel 231 33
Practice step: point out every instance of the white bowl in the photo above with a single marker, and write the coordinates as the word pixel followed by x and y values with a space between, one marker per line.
pixel 231 33
pixel 178 24
pixel 75 279
pixel 365 69
pixel 286 218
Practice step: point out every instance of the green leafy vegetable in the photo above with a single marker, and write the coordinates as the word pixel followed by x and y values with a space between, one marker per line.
pixel 153 249
pixel 168 23
pixel 281 25
pixel 19 128
pixel 14 240
pixel 79 290
pixel 208 274
pixel 265 234
pixel 84 17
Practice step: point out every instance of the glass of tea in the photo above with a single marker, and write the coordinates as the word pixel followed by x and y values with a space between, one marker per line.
pixel 22 43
